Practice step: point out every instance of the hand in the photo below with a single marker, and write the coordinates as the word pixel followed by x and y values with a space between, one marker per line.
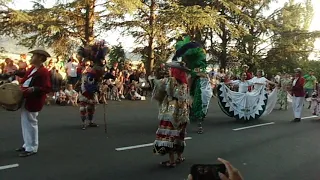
pixel 233 173
pixel 29 90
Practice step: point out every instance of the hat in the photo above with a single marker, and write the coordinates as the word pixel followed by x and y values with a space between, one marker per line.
pixel 298 70
pixel 246 66
pixel 41 52
pixel 178 65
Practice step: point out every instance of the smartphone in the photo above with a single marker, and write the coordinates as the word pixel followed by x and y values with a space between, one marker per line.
pixel 207 171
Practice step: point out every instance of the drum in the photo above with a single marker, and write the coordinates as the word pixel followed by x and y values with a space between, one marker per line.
pixel 11 96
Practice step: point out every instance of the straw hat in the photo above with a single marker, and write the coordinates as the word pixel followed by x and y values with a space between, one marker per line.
pixel 40 52
pixel 178 65
pixel 298 70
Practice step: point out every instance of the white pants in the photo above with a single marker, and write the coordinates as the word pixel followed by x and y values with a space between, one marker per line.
pixel 29 124
pixel 297 105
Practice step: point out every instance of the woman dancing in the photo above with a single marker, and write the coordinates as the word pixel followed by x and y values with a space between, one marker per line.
pixel 173 97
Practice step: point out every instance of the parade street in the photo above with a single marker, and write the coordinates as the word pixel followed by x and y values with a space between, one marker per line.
pixel 271 148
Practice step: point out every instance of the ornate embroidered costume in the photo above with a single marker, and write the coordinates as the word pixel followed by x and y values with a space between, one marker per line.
pixel 200 88
pixel 173 116
pixel 88 98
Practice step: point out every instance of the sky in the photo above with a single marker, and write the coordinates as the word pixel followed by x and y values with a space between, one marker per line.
pixel 114 37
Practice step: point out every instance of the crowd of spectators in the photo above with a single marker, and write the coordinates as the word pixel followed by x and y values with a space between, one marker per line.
pixel 118 83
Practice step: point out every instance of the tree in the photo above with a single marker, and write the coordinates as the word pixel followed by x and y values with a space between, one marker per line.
pixel 248 46
pixel 117 54
pixel 292 43
pixel 61 27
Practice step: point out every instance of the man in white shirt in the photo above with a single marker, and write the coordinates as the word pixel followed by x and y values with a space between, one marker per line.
pixel 71 69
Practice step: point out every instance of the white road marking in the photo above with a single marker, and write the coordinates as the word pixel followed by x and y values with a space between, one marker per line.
pixel 309 117
pixel 141 146
pixel 9 166
pixel 254 126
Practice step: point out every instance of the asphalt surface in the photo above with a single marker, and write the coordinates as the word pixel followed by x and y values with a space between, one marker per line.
pixel 279 151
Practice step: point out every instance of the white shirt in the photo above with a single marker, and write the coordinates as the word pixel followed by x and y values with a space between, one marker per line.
pixel 28 81
pixel 70 93
pixel 243 86
pixel 294 81
pixel 262 81
pixel 72 69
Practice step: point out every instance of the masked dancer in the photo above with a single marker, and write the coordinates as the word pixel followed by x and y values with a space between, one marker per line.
pixel 173 97
pixel 88 98
pixel 199 84
pixel 36 84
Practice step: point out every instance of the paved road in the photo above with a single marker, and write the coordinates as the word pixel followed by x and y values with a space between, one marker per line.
pixel 282 150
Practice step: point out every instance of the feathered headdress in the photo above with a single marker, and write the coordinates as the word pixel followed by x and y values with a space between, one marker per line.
pixel 95 52
pixel 192 54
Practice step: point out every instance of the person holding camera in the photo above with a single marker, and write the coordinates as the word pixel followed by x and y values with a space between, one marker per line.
pixel 232 173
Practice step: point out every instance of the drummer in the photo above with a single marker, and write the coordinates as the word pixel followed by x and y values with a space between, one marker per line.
pixel 35 85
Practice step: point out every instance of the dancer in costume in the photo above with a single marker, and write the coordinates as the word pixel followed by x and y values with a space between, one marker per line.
pixel 200 88
pixel 173 97
pixel 315 101
pixel 243 84
pixel 243 105
pixel 260 81
pixel 88 98
pixel 285 86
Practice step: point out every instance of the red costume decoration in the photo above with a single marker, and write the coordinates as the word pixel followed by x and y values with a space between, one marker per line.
pixel 179 75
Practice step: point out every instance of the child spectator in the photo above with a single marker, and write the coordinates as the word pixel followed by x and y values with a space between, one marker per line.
pixel 61 98
pixel 71 95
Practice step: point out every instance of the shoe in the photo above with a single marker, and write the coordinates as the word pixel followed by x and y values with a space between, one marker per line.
pixel 27 153
pixel 93 125
pixel 296 120
pixel 21 149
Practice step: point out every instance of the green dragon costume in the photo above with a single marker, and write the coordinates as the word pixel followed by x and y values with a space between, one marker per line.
pixel 194 57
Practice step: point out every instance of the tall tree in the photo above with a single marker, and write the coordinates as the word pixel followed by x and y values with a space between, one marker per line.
pixel 248 46
pixel 292 42
pixel 117 54
pixel 59 27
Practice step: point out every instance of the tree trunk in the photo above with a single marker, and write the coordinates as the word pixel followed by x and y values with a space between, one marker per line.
pixel 150 61
pixel 224 39
pixel 89 22
pixel 223 56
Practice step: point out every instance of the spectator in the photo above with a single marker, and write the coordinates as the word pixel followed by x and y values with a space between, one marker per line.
pixel 115 67
pixel 71 69
pixel 72 95
pixel 133 94
pixel 111 75
pixel 310 85
pixel 134 77
pixel 151 79
pixel 9 67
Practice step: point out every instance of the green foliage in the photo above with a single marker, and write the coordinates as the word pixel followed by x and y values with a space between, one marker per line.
pixel 117 54
pixel 61 27
pixel 291 41
pixel 308 66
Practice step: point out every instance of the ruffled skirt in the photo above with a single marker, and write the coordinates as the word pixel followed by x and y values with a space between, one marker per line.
pixel 169 139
